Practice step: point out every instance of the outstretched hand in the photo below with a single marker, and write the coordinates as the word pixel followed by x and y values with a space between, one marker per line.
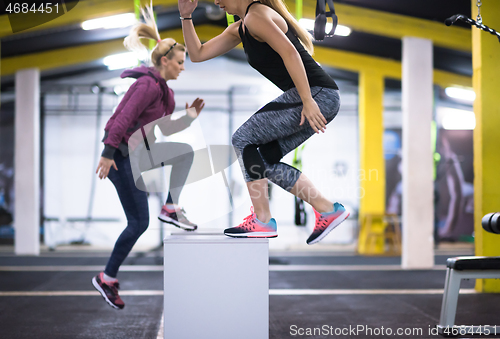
pixel 187 7
pixel 311 112
pixel 197 104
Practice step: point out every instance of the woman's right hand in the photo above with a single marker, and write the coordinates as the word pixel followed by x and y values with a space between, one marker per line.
pixel 187 7
pixel 197 106
pixel 104 166
pixel 312 113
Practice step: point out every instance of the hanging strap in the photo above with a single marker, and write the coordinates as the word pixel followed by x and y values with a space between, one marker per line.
pixel 321 15
pixel 453 19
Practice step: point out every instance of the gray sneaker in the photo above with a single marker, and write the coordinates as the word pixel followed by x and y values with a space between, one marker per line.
pixel 177 218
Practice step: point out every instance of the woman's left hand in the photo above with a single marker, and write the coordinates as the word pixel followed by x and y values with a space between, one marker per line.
pixel 187 7
pixel 311 112
pixel 197 106
pixel 104 166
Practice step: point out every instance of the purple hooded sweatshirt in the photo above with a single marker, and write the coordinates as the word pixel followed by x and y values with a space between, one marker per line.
pixel 148 99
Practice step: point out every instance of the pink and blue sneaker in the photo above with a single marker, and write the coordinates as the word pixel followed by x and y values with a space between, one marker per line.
pixel 326 222
pixel 251 227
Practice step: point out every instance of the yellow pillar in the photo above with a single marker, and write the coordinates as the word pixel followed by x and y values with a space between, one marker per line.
pixel 372 165
pixel 486 82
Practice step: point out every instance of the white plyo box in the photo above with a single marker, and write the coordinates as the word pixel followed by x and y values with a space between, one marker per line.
pixel 215 287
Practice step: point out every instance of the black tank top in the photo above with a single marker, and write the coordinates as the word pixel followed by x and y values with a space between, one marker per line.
pixel 270 64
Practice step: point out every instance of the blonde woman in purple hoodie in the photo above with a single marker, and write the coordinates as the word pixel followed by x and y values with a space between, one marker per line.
pixel 147 100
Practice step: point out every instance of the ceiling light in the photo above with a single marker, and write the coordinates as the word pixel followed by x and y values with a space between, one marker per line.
pixel 341 30
pixel 115 21
pixel 122 60
pixel 460 93
pixel 457 119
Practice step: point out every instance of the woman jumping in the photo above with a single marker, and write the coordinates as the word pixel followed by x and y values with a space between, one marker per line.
pixel 273 43
pixel 147 100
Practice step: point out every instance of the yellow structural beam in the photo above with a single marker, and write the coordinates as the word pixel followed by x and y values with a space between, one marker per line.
pixel 86 53
pixel 358 18
pixel 350 61
pixel 372 166
pixel 61 58
pixel 445 79
pixel 486 66
pixel 394 25
pixel 357 62
pixel 83 10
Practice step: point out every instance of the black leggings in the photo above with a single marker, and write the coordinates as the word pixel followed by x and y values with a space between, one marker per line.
pixel 135 201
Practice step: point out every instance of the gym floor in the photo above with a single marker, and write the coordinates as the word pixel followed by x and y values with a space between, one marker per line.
pixel 51 296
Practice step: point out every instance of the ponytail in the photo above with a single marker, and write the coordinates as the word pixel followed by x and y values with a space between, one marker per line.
pixel 304 36
pixel 149 30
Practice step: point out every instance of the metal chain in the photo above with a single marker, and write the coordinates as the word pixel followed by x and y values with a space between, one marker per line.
pixel 478 23
pixel 479 19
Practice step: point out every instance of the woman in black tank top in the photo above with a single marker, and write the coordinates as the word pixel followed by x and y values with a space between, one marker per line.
pixel 277 47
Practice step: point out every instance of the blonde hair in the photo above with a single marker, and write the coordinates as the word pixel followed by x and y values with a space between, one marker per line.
pixel 303 35
pixel 149 30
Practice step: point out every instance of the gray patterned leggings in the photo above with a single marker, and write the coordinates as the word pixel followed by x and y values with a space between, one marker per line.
pixel 274 131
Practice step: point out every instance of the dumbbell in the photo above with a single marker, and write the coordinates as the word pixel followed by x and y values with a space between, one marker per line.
pixel 491 222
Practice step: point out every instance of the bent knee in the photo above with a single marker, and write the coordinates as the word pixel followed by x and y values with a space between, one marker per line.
pixel 253 162
pixel 142 225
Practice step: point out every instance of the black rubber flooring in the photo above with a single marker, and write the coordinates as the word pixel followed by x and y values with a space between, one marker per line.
pixel 415 313
pixel 79 317
pixel 350 316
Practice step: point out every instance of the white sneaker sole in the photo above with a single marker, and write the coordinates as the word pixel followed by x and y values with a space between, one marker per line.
pixel 253 235
pixel 100 290
pixel 330 227
pixel 177 224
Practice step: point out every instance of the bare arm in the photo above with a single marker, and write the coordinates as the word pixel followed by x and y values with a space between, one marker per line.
pixel 169 126
pixel 219 45
pixel 262 26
